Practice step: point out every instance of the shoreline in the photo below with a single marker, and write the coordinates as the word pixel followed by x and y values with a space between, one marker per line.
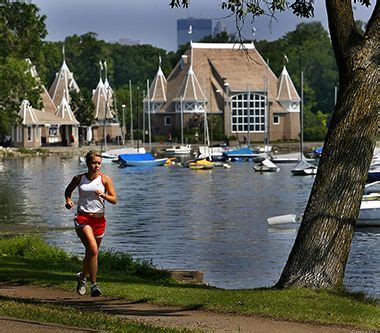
pixel 157 148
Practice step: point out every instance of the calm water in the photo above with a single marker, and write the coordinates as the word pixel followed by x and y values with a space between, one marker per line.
pixel 212 221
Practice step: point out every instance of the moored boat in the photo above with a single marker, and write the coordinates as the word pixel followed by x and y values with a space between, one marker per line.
pixel 201 165
pixel 140 160
pixel 266 166
pixel 179 150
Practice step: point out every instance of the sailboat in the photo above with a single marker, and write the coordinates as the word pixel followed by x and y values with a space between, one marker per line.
pixel 303 168
pixel 113 154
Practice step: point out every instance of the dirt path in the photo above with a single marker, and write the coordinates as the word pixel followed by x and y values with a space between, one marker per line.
pixel 162 316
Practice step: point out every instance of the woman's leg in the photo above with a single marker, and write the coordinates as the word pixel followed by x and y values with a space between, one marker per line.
pixel 91 244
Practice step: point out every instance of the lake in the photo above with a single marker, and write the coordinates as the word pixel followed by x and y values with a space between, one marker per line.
pixel 213 221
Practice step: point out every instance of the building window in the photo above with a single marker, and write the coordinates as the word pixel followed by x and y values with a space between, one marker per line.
pixel 294 106
pixel 248 112
pixel 276 120
pixel 30 133
pixel 154 107
pixel 53 130
pixel 190 107
pixel 167 121
pixel 19 133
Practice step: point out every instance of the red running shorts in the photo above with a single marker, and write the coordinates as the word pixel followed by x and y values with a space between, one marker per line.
pixel 98 224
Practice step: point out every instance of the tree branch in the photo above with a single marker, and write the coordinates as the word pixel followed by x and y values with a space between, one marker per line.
pixel 373 26
pixel 343 33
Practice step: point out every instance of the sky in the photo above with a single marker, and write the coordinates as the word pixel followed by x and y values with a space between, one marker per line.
pixel 154 22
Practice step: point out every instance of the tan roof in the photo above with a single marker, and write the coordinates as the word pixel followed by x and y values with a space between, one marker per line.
pixel 63 83
pixel 286 89
pixel 99 99
pixel 190 89
pixel 218 66
pixel 65 113
pixel 31 116
pixel 47 102
pixel 157 90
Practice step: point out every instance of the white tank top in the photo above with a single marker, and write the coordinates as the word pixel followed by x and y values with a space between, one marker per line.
pixel 89 201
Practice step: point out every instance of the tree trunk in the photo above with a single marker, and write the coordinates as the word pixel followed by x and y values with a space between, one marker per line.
pixel 319 255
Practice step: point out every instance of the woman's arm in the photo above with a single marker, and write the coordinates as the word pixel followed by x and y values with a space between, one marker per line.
pixel 110 193
pixel 69 190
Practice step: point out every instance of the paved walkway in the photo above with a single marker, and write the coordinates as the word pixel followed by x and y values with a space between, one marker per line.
pixel 150 314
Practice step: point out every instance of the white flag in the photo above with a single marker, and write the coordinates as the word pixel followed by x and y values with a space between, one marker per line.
pixel 105 64
pixel 286 58
pixel 101 65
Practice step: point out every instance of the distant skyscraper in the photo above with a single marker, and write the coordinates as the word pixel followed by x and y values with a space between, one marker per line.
pixel 200 28
pixel 220 27
pixel 22 1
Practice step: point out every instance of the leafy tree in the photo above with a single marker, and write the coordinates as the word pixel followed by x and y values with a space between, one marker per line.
pixel 83 54
pixel 17 84
pixel 22 29
pixel 320 253
pixel 82 106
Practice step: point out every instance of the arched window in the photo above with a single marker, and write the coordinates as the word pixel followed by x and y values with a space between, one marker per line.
pixel 248 112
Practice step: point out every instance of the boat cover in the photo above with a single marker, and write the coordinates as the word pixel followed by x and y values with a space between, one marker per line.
pixel 137 157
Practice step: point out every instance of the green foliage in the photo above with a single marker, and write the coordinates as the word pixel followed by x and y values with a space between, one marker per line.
pixel 30 247
pixel 110 260
pixel 315 126
pixel 308 47
pixel 82 106
pixel 16 84
pixel 22 30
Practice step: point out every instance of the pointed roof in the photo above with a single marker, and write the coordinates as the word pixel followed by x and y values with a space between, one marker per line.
pixel 31 116
pixel 27 113
pixel 99 98
pixel 63 83
pixel 158 88
pixel 286 89
pixel 64 111
pixel 190 89
pixel 47 102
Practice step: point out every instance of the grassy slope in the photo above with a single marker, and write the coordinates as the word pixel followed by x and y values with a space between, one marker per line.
pixel 30 260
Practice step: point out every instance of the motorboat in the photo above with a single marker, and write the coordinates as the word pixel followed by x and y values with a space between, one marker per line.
pixel 179 150
pixel 114 153
pixel 265 166
pixel 213 152
pixel 370 206
pixel 201 165
pixel 140 160
pixel 369 214
pixel 245 153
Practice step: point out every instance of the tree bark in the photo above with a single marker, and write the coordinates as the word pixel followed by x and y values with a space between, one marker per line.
pixel 320 253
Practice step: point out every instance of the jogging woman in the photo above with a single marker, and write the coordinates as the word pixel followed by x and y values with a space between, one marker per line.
pixel 95 188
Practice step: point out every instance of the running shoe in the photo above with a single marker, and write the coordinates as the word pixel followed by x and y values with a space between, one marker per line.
pixel 81 286
pixel 95 291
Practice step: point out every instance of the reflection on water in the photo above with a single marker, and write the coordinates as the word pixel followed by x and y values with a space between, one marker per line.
pixel 212 221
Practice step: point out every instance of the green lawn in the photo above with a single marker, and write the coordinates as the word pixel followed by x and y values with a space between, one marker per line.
pixel 29 260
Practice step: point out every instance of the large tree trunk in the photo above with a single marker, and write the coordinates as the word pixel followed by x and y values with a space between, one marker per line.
pixel 319 255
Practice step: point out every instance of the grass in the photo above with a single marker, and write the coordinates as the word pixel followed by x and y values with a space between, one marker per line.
pixel 71 317
pixel 28 259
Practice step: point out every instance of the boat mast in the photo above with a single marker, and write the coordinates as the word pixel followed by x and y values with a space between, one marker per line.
pixel 105 113
pixel 249 116
pixel 301 109
pixel 266 118
pixel 149 125
pixel 131 107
